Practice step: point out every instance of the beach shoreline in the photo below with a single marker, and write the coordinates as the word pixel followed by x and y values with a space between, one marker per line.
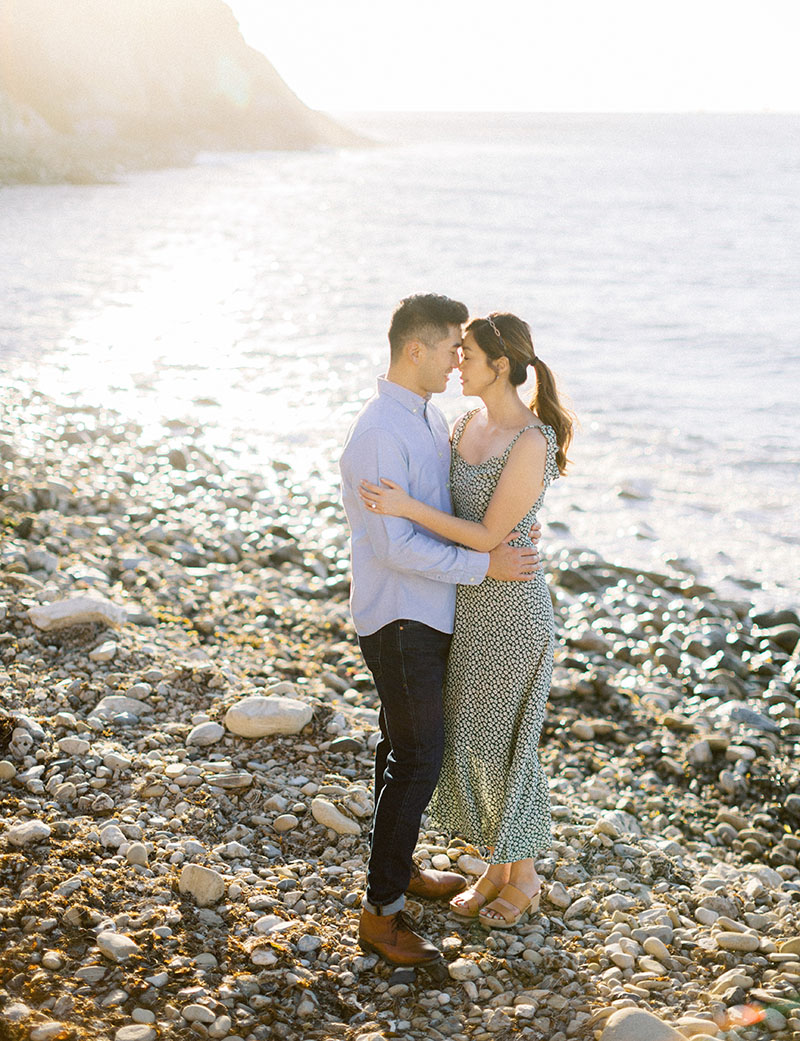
pixel 673 885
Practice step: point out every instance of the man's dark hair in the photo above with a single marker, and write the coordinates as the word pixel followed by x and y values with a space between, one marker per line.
pixel 424 316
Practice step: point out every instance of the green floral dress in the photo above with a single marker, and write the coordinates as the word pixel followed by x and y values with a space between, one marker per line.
pixel 492 790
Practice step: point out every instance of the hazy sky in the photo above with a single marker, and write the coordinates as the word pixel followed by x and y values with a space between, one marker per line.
pixel 530 55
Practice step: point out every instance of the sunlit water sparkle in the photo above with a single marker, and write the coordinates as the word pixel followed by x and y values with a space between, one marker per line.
pixel 656 259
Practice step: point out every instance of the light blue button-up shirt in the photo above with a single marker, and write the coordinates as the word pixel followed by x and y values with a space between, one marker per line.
pixel 399 569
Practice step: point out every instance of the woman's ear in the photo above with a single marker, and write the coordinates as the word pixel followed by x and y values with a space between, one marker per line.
pixel 502 366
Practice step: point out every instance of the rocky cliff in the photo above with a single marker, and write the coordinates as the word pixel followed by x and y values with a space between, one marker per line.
pixel 92 87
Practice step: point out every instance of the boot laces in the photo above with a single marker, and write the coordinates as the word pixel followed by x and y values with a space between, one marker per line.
pixel 402 922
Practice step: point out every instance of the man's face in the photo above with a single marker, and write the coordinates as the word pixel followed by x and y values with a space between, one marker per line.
pixel 438 360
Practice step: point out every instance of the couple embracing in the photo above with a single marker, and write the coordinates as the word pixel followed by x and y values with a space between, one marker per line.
pixel 453 613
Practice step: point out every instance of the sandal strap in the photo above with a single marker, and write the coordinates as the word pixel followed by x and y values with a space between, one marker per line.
pixel 486 888
pixel 521 900
pixel 517 905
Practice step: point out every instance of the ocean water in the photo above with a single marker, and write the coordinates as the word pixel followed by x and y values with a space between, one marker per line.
pixel 657 259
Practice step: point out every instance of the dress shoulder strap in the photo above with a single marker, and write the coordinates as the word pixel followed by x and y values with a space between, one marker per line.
pixel 551 471
pixel 461 425
pixel 519 433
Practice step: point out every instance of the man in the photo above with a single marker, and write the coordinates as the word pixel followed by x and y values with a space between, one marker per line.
pixel 403 603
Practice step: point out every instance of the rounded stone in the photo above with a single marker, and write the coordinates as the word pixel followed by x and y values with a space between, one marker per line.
pixel 329 816
pixel 204 884
pixel 205 734
pixel 633 1024
pixel 745 942
pixel 47 1031
pixel 135 1032
pixel 136 853
pixel 463 969
pixel 111 836
pixel 259 716
pixel 76 610
pixel 198 1014
pixel 116 946
pixel 143 1015
pixel 286 822
pixel 28 833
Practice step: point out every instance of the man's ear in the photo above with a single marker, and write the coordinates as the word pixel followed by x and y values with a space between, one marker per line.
pixel 414 349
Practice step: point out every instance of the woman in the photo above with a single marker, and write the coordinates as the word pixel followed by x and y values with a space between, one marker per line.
pixel 492 790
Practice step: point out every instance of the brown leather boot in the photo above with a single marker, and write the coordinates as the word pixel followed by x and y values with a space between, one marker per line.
pixel 435 885
pixel 392 937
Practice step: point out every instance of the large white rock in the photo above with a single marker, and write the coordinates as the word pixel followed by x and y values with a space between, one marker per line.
pixel 692 1026
pixel 135 1032
pixel 204 884
pixel 116 947
pixel 112 836
pixel 730 941
pixel 73 745
pixel 205 734
pixel 272 923
pixel 471 865
pixel 463 969
pixel 113 704
pixel 136 853
pixel 28 832
pixel 328 815
pixel 76 610
pixel 634 1024
pixel 259 716
pixel 47 1031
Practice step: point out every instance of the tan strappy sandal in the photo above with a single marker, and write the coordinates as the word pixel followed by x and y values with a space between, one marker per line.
pixel 476 896
pixel 512 904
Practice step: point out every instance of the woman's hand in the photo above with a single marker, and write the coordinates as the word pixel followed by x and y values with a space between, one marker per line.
pixel 387 498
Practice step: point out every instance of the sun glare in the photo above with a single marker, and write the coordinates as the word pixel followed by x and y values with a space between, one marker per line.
pixel 460 56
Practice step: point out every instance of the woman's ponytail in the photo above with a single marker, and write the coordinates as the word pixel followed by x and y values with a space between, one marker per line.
pixel 549 409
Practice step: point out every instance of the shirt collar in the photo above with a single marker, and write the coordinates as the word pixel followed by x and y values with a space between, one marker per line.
pixel 407 398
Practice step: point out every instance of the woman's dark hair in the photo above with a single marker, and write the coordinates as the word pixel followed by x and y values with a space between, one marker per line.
pixel 503 335
pixel 424 316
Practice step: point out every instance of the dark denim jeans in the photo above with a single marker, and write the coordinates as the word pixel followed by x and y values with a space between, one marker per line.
pixel 407 660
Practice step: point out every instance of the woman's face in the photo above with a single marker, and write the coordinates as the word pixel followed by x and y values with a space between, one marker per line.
pixel 476 372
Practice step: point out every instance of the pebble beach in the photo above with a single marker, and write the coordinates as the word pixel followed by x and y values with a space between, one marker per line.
pixel 186 736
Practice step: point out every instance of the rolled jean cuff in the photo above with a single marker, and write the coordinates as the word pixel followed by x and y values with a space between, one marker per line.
pixel 384 909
